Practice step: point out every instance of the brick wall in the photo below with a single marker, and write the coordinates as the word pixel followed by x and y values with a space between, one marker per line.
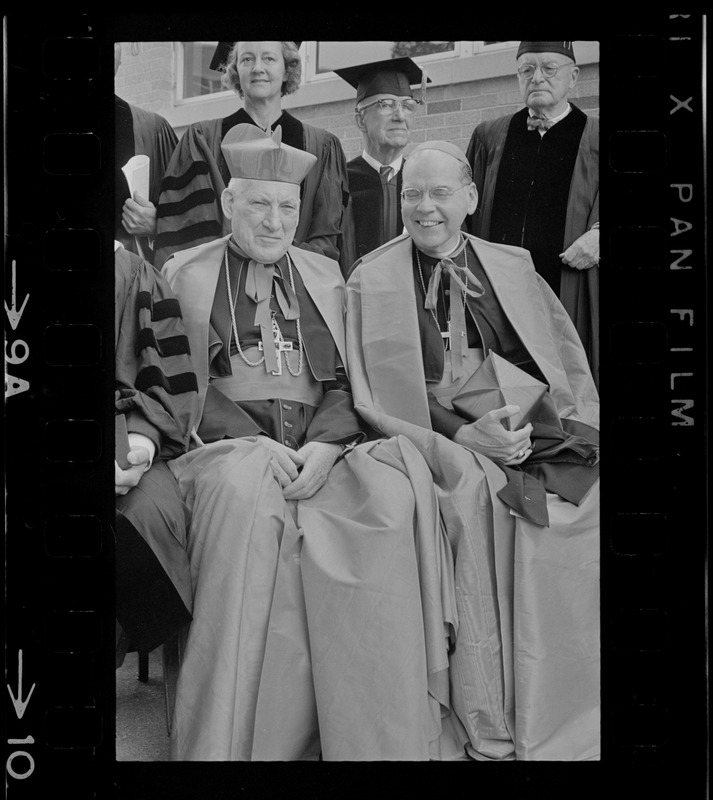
pixel 450 112
pixel 146 78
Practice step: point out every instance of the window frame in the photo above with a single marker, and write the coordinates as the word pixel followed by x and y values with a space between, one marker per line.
pixel 179 82
pixel 308 51
pixel 482 47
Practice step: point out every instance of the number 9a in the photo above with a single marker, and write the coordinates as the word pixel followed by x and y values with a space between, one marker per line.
pixel 14 358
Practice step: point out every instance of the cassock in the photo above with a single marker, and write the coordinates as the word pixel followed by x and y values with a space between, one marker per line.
pixel 321 626
pixel 373 215
pixel 156 391
pixel 189 211
pixel 524 671
pixel 139 132
pixel 542 193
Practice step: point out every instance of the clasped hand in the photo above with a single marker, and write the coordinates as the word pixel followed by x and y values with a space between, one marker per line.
pixel 138 216
pixel 301 473
pixel 490 438
pixel 126 479
pixel 583 253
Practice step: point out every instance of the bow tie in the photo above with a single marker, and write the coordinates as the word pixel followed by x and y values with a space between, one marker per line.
pixel 457 274
pixel 539 123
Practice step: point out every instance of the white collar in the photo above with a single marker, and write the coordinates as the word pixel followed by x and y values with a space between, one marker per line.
pixel 377 165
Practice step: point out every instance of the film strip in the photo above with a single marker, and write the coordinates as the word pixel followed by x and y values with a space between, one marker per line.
pixel 60 714
pixel 654 394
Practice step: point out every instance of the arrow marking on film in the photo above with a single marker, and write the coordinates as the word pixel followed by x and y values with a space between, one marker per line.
pixel 12 314
pixel 20 704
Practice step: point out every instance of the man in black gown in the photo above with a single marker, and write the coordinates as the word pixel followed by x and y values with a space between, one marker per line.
pixel 385 108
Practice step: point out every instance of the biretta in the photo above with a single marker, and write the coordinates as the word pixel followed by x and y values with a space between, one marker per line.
pixel 565 48
pixel 389 76
pixel 222 51
pixel 443 147
pixel 251 153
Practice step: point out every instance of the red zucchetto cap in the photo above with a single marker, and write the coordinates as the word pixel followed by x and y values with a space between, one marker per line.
pixel 565 48
pixel 253 154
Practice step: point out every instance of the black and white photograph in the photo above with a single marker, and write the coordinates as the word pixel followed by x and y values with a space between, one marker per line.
pixel 364 379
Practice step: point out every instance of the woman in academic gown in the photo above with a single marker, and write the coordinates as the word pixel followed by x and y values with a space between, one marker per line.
pixel 262 73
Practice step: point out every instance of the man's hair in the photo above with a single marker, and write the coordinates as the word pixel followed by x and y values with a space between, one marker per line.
pixel 293 69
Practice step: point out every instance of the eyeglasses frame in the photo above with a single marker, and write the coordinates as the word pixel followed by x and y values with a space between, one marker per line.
pixel 433 199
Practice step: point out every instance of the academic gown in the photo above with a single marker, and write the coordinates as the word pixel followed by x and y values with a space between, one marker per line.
pixel 524 672
pixel 190 212
pixel 579 289
pixel 363 229
pixel 321 626
pixel 139 132
pixel 156 391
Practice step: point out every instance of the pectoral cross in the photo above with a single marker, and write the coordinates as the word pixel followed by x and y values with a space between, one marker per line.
pixel 448 338
pixel 281 347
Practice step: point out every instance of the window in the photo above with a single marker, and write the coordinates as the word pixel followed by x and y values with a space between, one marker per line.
pixel 195 77
pixel 196 80
pixel 322 58
pixel 489 47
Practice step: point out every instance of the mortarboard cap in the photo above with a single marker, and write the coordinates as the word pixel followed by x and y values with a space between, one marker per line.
pixel 565 48
pixel 222 51
pixel 251 153
pixel 389 76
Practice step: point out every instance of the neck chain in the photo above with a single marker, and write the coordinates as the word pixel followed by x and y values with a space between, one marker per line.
pixel 276 332
pixel 423 286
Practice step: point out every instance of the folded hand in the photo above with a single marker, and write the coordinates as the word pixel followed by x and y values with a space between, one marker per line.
pixel 490 438
pixel 583 253
pixel 319 458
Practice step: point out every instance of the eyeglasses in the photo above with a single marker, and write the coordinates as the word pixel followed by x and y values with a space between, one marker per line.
pixel 549 70
pixel 439 195
pixel 389 106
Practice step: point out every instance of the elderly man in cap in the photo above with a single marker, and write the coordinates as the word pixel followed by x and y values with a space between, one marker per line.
pixel 537 172
pixel 384 113
pixel 437 320
pixel 309 552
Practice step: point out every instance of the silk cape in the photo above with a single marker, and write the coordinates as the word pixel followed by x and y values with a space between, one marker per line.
pixel 524 673
pixel 320 627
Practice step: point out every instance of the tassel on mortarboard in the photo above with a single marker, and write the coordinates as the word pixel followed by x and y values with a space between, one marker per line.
pixel 424 79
